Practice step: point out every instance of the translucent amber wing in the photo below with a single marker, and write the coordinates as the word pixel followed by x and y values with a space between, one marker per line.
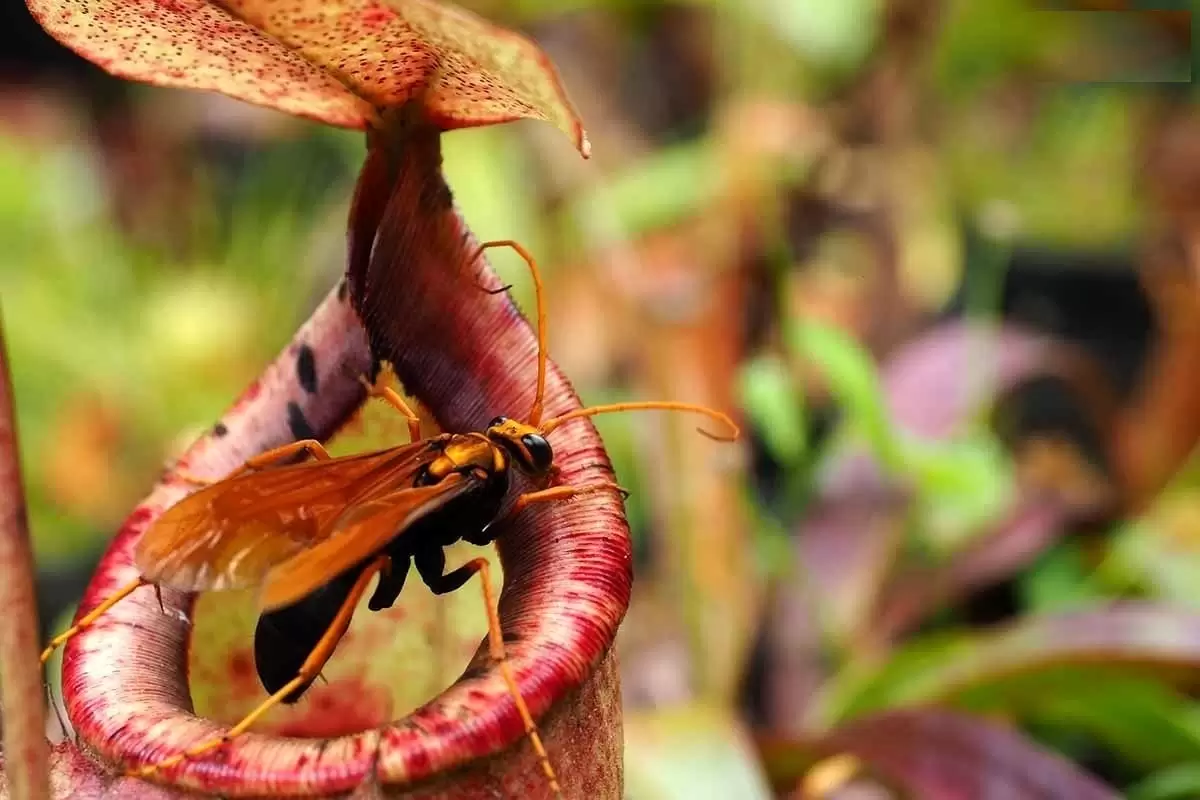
pixel 364 530
pixel 229 535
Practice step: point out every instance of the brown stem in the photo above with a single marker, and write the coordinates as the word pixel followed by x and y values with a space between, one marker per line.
pixel 1160 427
pixel 21 693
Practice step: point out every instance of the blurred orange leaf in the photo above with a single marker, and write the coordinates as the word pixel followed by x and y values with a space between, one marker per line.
pixel 339 62
pixel 78 465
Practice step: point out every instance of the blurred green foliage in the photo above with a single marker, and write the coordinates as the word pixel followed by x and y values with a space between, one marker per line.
pixel 160 342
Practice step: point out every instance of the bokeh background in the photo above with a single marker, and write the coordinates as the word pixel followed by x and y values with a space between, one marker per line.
pixel 941 256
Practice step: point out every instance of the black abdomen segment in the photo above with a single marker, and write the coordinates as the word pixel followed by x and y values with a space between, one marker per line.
pixel 284 638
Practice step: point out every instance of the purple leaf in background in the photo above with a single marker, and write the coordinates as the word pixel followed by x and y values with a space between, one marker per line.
pixel 939 755
pixel 1129 634
pixel 851 578
pixel 1010 544
pixel 939 382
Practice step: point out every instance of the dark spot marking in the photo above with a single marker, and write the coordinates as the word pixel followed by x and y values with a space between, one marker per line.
pixel 306 369
pixel 298 424
pixel 220 430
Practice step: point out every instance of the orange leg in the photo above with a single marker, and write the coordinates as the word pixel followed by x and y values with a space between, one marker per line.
pixel 393 398
pixel 563 493
pixel 265 460
pixel 496 650
pixel 528 499
pixel 308 671
pixel 90 618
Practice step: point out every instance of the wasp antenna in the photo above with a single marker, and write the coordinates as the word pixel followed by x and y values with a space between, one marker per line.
pixel 535 413
pixel 724 419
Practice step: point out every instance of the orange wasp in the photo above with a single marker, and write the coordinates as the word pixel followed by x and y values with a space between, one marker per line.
pixel 311 531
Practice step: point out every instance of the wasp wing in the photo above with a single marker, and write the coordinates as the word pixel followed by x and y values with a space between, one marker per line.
pixel 231 534
pixel 363 531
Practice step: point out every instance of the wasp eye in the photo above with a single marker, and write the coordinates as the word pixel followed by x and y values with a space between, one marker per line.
pixel 497 422
pixel 541 456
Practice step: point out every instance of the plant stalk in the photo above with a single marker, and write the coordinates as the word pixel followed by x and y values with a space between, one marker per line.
pixel 21 681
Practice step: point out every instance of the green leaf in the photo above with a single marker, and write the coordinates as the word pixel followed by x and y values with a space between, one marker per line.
pixel 952 666
pixel 776 409
pixel 658 191
pixel 1179 782
pixel 908 676
pixel 1153 555
pixel 838 34
pixel 854 381
pixel 962 485
pixel 1060 581
pixel 1142 719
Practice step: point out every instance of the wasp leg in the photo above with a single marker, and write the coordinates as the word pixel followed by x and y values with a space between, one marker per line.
pixel 430 563
pixel 393 398
pixel 391 583
pixel 564 493
pixel 308 672
pixel 264 460
pixel 488 534
pixel 90 618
